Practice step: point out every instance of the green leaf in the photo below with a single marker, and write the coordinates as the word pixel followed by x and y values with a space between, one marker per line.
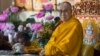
pixel 30 20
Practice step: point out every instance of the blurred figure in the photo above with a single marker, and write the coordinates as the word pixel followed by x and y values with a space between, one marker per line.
pixel 66 39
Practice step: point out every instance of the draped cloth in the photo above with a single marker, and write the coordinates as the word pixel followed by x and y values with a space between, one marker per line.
pixel 66 40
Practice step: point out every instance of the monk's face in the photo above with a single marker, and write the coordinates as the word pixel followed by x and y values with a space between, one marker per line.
pixel 65 11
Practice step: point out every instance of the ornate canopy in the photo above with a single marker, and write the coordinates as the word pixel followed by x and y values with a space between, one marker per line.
pixel 90 7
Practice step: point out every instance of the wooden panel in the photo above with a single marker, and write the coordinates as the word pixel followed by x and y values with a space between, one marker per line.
pixel 4 4
pixel 25 3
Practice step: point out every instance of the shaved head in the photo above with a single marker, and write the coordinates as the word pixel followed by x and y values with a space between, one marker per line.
pixel 65 11
pixel 65 6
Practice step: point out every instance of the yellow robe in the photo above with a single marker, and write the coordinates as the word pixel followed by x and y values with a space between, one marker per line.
pixel 66 40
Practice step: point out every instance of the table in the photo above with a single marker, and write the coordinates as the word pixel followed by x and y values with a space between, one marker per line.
pixel 11 53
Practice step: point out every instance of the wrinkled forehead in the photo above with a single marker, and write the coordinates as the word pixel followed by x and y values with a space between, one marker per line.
pixel 65 6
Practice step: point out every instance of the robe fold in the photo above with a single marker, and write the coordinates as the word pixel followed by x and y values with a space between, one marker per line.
pixel 66 40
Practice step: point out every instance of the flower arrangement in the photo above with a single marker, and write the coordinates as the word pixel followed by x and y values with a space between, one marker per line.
pixel 42 29
pixel 45 27
pixel 10 14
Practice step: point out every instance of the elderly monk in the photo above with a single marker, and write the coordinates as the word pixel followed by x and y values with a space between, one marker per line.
pixel 66 40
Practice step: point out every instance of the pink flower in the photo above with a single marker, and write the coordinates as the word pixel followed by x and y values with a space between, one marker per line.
pixel 36 26
pixel 49 17
pixel 48 6
pixel 3 17
pixel 6 11
pixel 14 9
pixel 10 26
pixel 2 26
pixel 40 14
